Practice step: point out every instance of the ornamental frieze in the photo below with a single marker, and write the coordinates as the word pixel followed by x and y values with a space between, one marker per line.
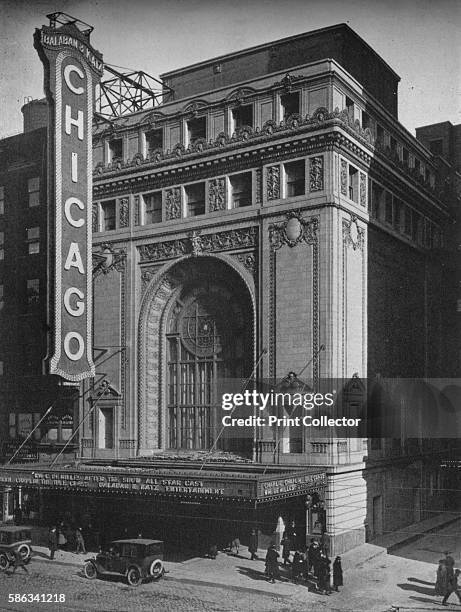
pixel 293 230
pixel 196 244
pixel 363 190
pixel 273 182
pixel 95 217
pixel 124 213
pixel 316 173
pixel 217 194
pixel 248 261
pixel 343 177
pixel 173 203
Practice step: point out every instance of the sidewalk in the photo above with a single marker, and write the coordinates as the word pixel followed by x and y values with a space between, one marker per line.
pixel 240 572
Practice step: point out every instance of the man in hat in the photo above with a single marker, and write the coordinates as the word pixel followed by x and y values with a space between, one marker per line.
pixel 272 564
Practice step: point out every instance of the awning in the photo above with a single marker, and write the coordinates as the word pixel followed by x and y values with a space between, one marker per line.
pixel 250 484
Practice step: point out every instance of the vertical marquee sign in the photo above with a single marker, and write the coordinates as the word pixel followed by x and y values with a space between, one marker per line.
pixel 72 70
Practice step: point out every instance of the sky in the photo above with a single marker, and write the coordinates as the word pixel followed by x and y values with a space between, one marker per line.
pixel 419 39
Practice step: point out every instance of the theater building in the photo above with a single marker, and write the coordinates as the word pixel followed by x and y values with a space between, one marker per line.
pixel 270 215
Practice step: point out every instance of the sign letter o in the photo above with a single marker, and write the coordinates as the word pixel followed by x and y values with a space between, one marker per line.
pixel 79 310
pixel 81 346
pixel 67 70
pixel 67 205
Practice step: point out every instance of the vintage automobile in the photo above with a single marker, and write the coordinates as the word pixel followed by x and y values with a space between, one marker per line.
pixel 14 538
pixel 135 559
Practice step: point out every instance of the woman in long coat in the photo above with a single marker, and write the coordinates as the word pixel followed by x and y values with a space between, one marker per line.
pixel 253 547
pixel 441 583
pixel 272 564
pixel 337 573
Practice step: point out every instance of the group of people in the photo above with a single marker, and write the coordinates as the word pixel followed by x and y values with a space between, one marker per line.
pixel 65 538
pixel 447 579
pixel 312 564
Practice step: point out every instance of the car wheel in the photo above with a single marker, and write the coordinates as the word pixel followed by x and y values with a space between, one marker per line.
pixel 4 562
pixel 90 571
pixel 133 576
pixel 156 569
pixel 24 551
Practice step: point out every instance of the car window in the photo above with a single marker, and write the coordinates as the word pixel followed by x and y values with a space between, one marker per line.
pixel 154 549
pixel 130 550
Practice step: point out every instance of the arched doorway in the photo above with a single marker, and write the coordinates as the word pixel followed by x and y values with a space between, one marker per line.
pixel 196 330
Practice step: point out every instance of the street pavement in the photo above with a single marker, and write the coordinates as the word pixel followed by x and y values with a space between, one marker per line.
pixel 374 581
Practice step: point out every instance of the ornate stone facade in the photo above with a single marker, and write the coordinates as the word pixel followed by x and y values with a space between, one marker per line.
pixel 173 203
pixel 273 182
pixel 316 173
pixel 124 212
pixel 217 194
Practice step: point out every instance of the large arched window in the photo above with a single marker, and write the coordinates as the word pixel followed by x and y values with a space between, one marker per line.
pixel 207 339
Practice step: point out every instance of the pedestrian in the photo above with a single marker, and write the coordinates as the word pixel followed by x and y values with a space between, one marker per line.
pixel 19 561
pixel 253 546
pixel 272 564
pixel 441 583
pixel 286 545
pixel 80 542
pixel 17 515
pixel 298 566
pixel 337 573
pixel 323 572
pixel 452 587
pixel 52 541
pixel 314 555
pixel 213 551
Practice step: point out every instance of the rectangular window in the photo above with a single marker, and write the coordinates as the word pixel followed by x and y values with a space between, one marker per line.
pixel 436 147
pixel 33 240
pixel 241 190
pixel 2 200
pixel 290 104
pixel 380 134
pixel 405 156
pixel 242 115
pixel 350 106
pixel 388 208
pixel 2 245
pixel 393 144
pixel 295 174
pixel 415 226
pixel 108 215
pixel 353 183
pixel 33 291
pixel 417 165
pixel 376 198
pixel 106 428
pixel 152 207
pixel 398 208
pixel 115 149
pixel 196 128
pixel 195 199
pixel 33 187
pixel 366 122
pixel 407 221
pixel 154 141
pixel 2 298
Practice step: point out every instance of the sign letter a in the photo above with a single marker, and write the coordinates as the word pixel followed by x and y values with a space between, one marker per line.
pixel 74 259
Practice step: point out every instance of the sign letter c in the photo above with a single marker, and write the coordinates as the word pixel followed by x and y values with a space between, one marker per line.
pixel 67 70
pixel 67 205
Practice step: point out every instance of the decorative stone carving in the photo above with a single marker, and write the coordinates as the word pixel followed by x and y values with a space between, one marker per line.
pixel 222 241
pixel 248 260
pixel 95 217
pixel 147 274
pixel 343 177
pixel 353 235
pixel 259 185
pixel 217 194
pixel 124 213
pixel 137 210
pixel 173 203
pixel 273 182
pixel 293 230
pixel 363 190
pixel 196 247
pixel 316 173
